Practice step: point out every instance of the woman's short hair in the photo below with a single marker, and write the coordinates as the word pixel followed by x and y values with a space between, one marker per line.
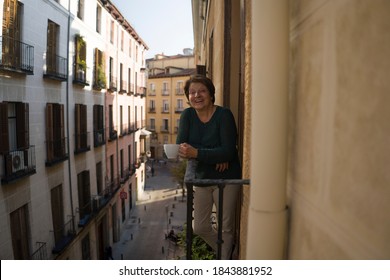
pixel 203 80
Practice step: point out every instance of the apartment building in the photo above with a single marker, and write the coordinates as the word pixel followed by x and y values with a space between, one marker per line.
pixel 165 97
pixel 308 84
pixel 72 87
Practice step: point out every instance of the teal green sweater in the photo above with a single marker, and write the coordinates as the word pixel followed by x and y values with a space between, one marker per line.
pixel 215 140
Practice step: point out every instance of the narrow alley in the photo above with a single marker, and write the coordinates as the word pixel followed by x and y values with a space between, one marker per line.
pixel 162 209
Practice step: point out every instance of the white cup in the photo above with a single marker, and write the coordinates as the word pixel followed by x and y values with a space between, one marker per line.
pixel 171 150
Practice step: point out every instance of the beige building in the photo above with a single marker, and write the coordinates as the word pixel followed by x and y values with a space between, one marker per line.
pixel 308 84
pixel 165 98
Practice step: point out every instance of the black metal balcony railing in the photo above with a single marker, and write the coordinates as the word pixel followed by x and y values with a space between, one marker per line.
pixel 165 110
pixel 82 143
pixel 125 174
pixel 190 182
pixel 63 236
pixel 165 92
pixel 112 133
pixel 56 67
pixel 112 83
pixel 99 137
pixel 179 109
pixel 132 127
pixel 18 164
pixel 16 56
pixel 152 109
pixel 80 75
pixel 40 253
pixel 179 91
pixel 57 151
pixel 164 129
pixel 85 213
pixel 122 86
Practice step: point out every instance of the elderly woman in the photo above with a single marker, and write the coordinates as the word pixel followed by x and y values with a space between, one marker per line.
pixel 208 133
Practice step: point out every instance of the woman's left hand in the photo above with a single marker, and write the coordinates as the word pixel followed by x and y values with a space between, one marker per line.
pixel 221 167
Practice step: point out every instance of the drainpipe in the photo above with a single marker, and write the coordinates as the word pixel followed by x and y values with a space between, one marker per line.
pixel 267 220
pixel 67 118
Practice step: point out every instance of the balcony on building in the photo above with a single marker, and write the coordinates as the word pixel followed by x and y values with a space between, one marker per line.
pixel 165 92
pixel 112 185
pixel 112 133
pixel 190 181
pixel 131 128
pixel 99 78
pixel 152 92
pixel 164 129
pixel 16 56
pixel 130 90
pixel 125 174
pixel 122 87
pixel 40 252
pixel 82 142
pixel 179 91
pixel 18 164
pixel 165 109
pixel 56 67
pixel 63 235
pixel 142 92
pixel 112 86
pixel 124 130
pixel 152 110
pixel 99 137
pixel 80 74
pixel 178 110
pixel 85 213
pixel 57 151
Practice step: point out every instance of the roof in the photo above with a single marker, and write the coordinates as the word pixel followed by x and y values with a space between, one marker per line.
pixel 183 72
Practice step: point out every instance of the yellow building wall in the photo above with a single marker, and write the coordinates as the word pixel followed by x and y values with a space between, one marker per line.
pixel 338 179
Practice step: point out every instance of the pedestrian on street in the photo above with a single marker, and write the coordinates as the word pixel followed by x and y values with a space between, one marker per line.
pixel 208 133
pixel 152 171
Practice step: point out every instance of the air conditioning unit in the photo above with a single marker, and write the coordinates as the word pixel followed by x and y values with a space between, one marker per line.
pixel 100 137
pixel 17 161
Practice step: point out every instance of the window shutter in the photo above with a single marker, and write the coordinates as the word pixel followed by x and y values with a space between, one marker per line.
pixel 95 118
pixel 62 129
pixel 22 125
pixel 4 143
pixel 49 131
pixel 77 125
pixel 51 47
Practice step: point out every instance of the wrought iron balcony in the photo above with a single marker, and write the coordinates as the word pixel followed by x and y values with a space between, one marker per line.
pixel 16 56
pixel 63 236
pixel 80 74
pixel 190 181
pixel 82 143
pixel 99 137
pixel 113 133
pixel 57 151
pixel 40 253
pixel 18 164
pixel 56 67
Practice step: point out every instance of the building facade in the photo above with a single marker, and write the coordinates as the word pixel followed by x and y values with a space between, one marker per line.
pixel 312 119
pixel 72 88
pixel 165 98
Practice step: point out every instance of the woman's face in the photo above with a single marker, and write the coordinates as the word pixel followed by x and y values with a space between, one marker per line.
pixel 199 96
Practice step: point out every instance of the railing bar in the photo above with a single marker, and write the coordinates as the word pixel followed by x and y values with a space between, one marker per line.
pixel 220 220
pixel 190 198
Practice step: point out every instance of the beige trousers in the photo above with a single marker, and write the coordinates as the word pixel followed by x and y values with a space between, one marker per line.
pixel 204 200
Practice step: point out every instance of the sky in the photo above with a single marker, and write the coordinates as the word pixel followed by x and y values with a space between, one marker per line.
pixel 164 25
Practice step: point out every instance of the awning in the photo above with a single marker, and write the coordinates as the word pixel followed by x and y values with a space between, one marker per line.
pixel 145 132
